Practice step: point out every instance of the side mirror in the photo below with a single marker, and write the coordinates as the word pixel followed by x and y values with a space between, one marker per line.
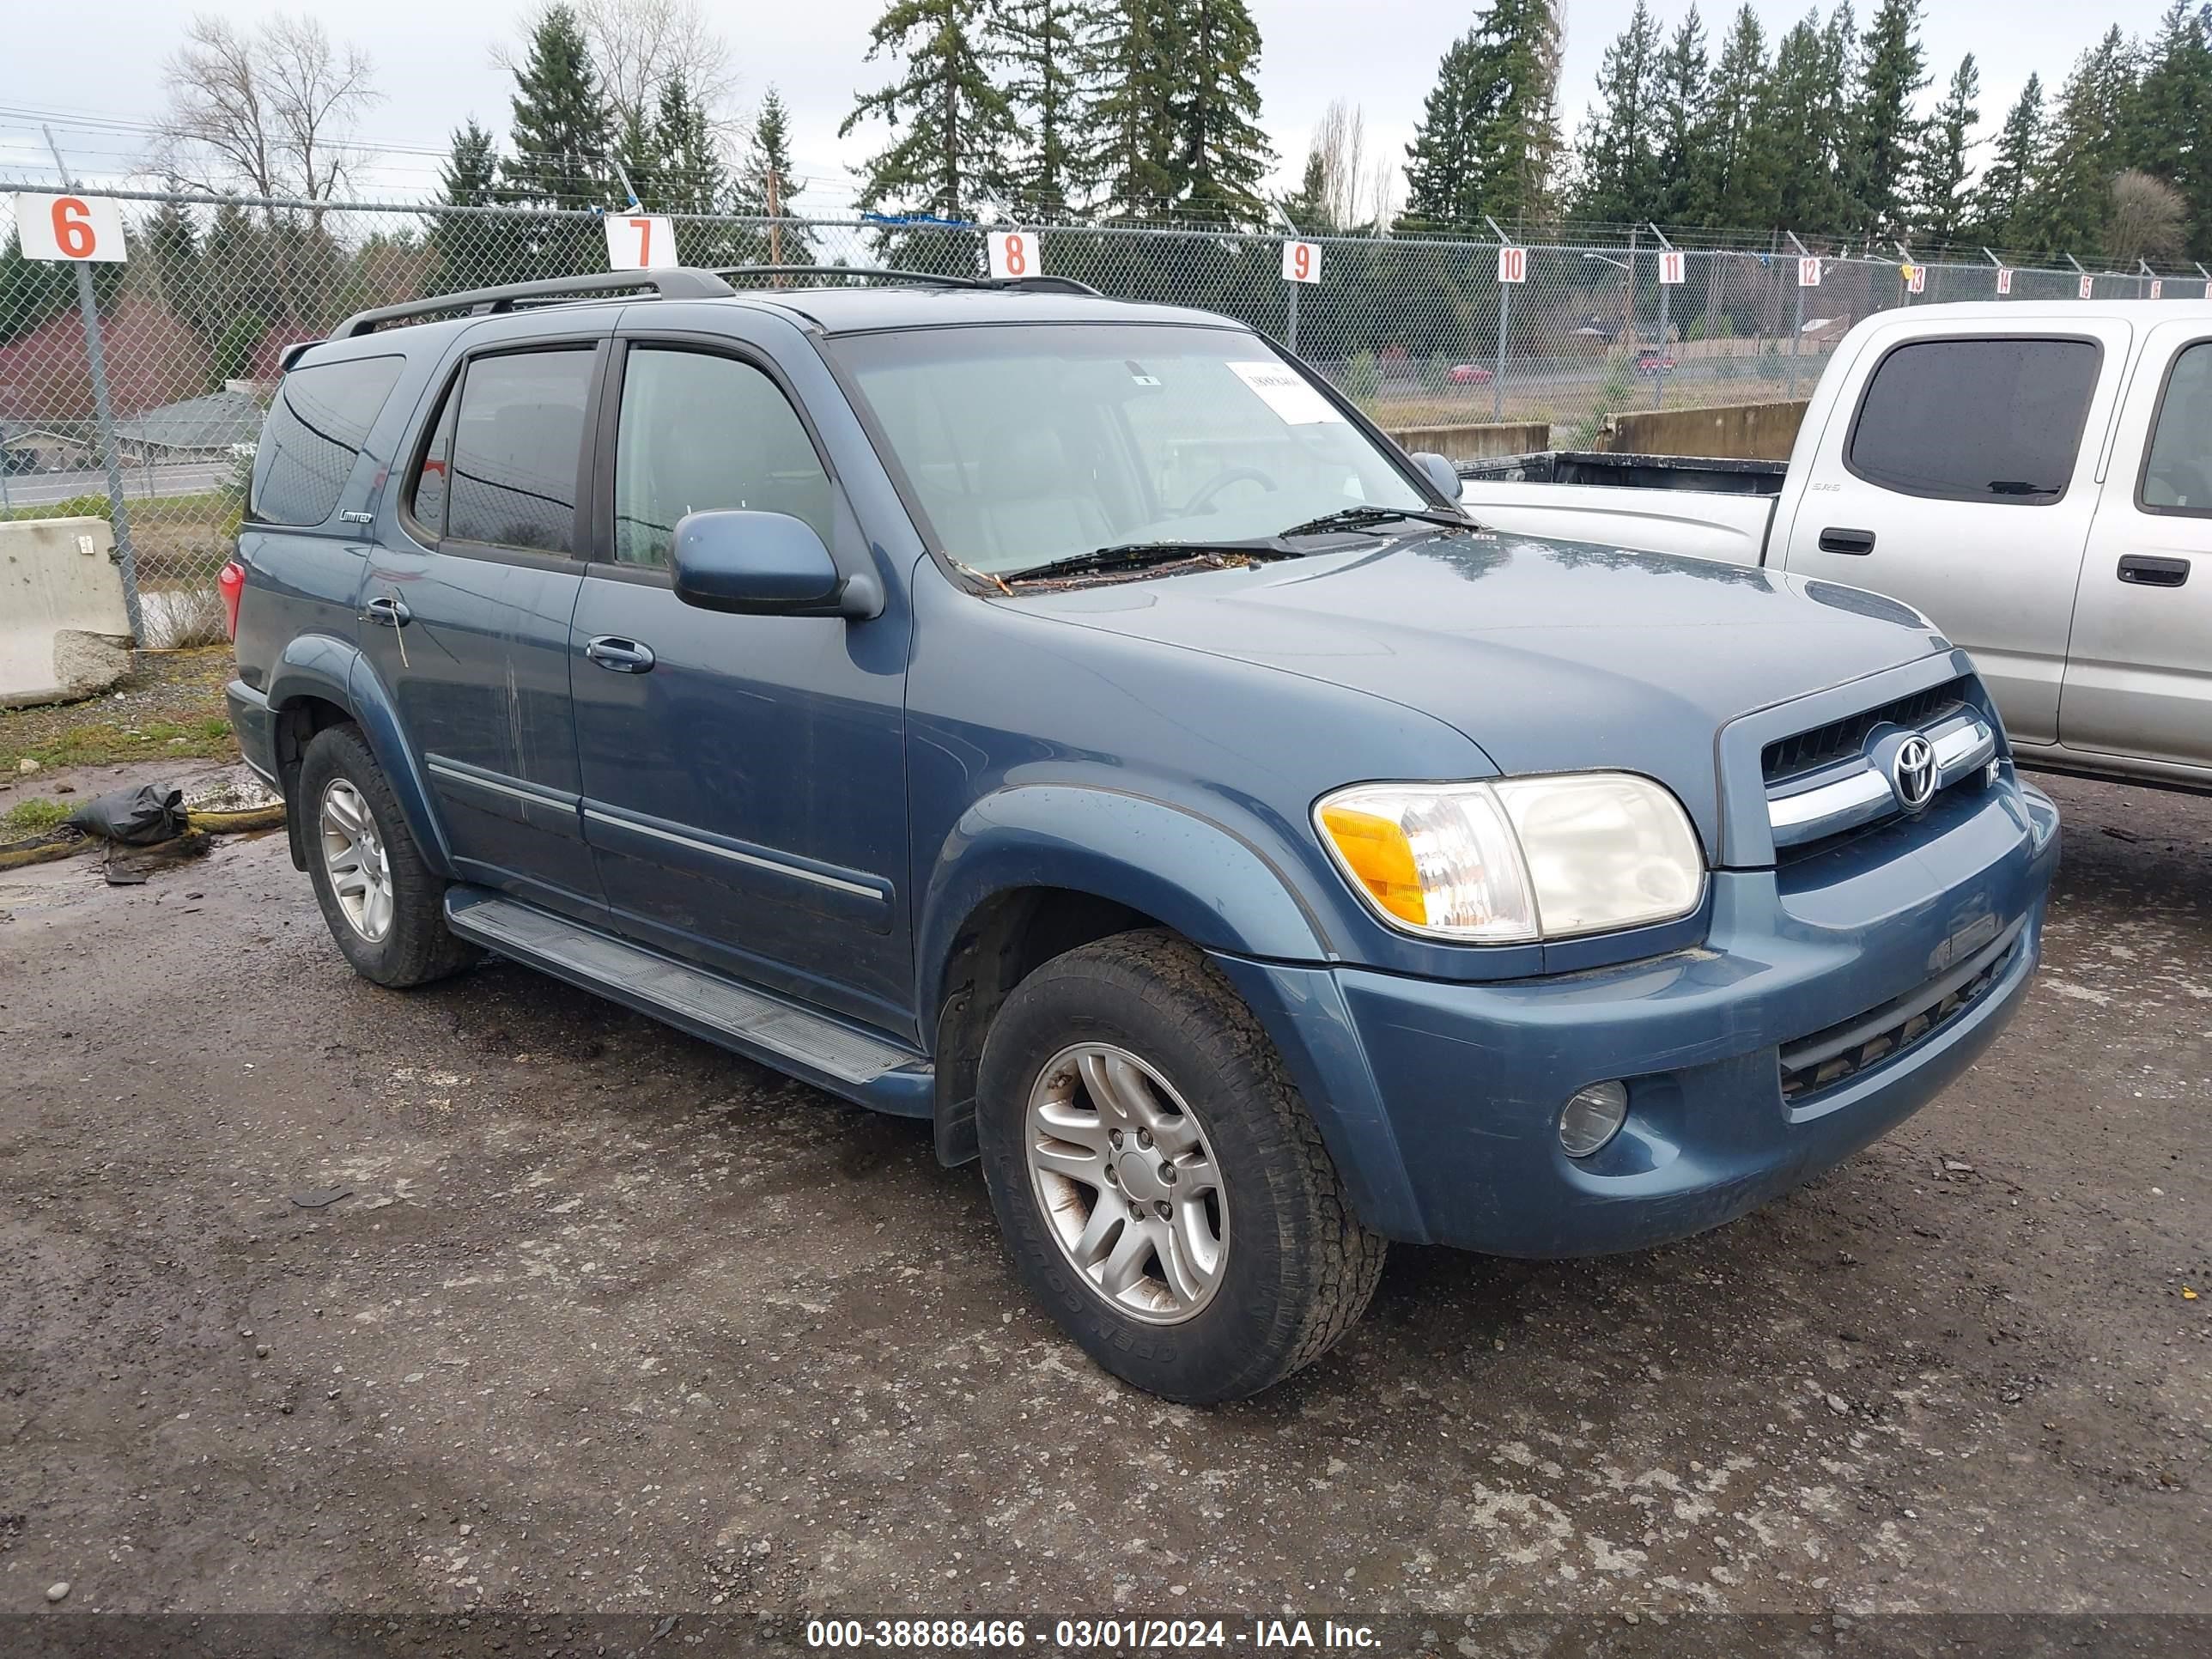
pixel 764 564
pixel 1442 473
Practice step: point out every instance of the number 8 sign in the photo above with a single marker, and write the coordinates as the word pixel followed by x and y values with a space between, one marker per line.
pixel 77 228
pixel 1013 255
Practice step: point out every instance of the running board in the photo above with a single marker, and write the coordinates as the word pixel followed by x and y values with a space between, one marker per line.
pixel 840 1057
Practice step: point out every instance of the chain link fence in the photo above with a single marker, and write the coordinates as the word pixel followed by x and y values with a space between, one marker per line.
pixel 1420 331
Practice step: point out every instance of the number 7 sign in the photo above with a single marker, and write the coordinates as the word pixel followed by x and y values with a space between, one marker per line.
pixel 78 229
pixel 640 241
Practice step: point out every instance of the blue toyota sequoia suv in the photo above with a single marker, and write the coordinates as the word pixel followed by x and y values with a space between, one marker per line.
pixel 1072 722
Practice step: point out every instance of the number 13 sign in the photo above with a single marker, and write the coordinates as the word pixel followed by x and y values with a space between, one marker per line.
pixel 78 229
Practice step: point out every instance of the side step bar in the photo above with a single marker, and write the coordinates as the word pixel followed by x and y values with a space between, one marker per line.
pixel 844 1059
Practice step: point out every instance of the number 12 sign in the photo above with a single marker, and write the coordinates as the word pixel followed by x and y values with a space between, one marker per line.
pixel 640 241
pixel 78 229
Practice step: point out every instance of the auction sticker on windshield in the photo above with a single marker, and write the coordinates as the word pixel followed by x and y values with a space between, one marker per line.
pixel 1282 389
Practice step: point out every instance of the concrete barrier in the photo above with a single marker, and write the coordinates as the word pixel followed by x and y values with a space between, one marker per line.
pixel 64 631
pixel 1476 443
pixel 1752 432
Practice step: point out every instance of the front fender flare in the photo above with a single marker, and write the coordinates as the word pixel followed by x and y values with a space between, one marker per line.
pixel 1217 888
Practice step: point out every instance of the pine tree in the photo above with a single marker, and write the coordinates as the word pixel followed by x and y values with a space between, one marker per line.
pixel 951 125
pixel 1307 207
pixel 1886 136
pixel 1685 182
pixel 1127 143
pixel 768 154
pixel 1044 42
pixel 1221 154
pixel 1617 150
pixel 1803 128
pixel 473 249
pixel 1443 171
pixel 2068 208
pixel 1739 137
pixel 2001 195
pixel 692 179
pixel 2168 132
pixel 1941 170
pixel 1518 152
pixel 559 129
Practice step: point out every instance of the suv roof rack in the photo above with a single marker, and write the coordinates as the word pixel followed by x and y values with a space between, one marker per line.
pixel 681 282
pixel 928 278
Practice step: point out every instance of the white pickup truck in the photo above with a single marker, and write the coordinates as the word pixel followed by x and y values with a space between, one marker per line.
pixel 2035 477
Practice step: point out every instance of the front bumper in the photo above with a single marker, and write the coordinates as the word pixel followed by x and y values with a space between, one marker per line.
pixel 1440 1102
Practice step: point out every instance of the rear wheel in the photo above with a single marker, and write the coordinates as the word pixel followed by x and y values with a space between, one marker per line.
pixel 382 904
pixel 1161 1186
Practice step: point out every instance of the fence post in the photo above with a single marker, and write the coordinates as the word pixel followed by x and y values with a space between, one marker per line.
pixel 1666 292
pixel 1293 321
pixel 1798 327
pixel 1505 328
pixel 103 407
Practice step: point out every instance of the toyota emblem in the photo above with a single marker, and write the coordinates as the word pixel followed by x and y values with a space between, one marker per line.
pixel 1912 773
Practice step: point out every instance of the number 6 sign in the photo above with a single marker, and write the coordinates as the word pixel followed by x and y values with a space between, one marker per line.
pixel 77 228
pixel 1013 255
pixel 640 241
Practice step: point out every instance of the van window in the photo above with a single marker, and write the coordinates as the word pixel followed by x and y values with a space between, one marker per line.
pixel 1996 420
pixel 317 425
pixel 701 432
pixel 2177 475
pixel 518 445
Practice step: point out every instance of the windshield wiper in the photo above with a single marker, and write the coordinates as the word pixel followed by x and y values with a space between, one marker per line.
pixel 1366 514
pixel 1134 555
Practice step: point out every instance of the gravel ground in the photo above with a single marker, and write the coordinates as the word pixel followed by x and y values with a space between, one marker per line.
pixel 604 1320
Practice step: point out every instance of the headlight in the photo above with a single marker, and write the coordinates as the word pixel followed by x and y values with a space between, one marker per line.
pixel 1520 858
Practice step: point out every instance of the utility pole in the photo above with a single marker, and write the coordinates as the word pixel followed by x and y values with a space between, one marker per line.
pixel 95 355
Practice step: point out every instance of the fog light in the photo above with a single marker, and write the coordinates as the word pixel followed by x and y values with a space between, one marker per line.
pixel 1592 1117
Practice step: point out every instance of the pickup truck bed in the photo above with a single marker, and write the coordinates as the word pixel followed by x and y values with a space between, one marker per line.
pixel 1709 510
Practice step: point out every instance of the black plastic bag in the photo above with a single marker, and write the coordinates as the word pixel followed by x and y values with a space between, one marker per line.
pixel 143 816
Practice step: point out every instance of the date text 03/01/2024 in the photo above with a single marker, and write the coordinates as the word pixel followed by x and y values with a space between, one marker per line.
pixel 1164 1634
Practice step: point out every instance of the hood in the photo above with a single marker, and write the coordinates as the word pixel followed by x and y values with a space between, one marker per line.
pixel 1549 656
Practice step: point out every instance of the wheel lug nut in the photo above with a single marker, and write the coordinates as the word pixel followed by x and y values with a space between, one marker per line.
pixel 1164 1209
pixel 1112 1173
pixel 1167 1172
pixel 1144 1137
pixel 1114 1135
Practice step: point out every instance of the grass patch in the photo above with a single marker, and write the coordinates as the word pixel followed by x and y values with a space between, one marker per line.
pixel 101 744
pixel 31 817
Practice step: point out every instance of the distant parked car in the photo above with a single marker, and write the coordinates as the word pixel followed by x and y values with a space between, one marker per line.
pixel 1469 374
pixel 1653 362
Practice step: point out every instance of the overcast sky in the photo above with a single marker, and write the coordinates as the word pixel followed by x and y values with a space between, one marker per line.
pixel 434 64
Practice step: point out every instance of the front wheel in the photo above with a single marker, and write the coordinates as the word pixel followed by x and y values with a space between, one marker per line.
pixel 1161 1186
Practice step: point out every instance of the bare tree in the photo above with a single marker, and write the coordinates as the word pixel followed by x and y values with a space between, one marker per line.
pixel 2150 220
pixel 639 45
pixel 273 110
pixel 1340 140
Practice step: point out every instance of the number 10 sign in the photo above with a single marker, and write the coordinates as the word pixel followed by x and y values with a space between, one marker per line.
pixel 77 228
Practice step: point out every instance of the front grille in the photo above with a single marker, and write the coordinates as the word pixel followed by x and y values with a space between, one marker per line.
pixel 1823 745
pixel 1812 1065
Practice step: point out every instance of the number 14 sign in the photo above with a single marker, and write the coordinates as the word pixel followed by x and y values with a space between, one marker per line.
pixel 78 229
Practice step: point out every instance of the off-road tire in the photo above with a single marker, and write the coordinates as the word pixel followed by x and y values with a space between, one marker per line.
pixel 417 948
pixel 1299 1267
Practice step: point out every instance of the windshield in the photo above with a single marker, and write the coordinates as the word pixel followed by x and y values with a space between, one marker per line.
pixel 1028 444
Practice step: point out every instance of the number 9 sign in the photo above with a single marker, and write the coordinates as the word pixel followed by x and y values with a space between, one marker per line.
pixel 1013 255
pixel 1301 262
pixel 79 229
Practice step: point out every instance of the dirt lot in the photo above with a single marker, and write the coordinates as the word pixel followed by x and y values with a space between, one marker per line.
pixel 607 1320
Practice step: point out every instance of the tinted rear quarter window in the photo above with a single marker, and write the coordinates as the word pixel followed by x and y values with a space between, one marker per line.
pixel 320 419
pixel 2177 475
pixel 1995 420
pixel 516 447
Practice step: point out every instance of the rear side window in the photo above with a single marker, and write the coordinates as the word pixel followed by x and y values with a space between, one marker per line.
pixel 1976 420
pixel 317 425
pixel 2177 475
pixel 516 447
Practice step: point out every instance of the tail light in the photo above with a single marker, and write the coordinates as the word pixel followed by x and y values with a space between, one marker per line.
pixel 232 585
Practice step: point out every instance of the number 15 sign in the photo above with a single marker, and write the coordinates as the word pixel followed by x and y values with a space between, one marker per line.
pixel 78 229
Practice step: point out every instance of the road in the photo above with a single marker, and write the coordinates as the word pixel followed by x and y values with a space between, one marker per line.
pixel 607 1321
pixel 139 483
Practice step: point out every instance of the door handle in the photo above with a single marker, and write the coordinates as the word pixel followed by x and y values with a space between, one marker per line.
pixel 623 656
pixel 2144 571
pixel 387 612
pixel 1846 541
